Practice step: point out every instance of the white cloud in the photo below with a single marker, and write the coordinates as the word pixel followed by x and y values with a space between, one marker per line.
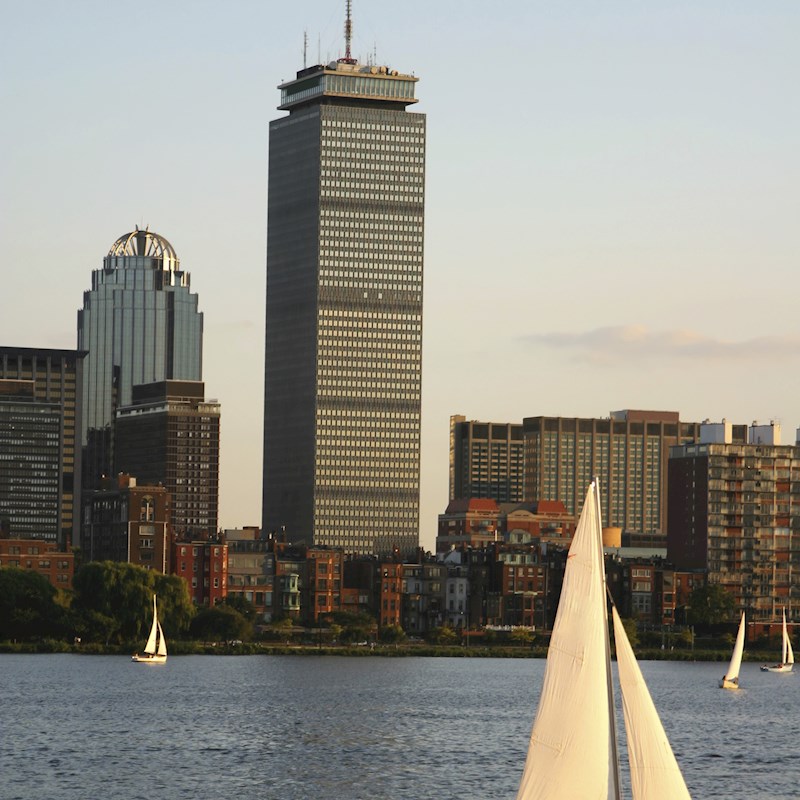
pixel 625 342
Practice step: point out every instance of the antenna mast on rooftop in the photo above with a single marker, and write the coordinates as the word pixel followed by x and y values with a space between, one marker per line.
pixel 305 48
pixel 348 33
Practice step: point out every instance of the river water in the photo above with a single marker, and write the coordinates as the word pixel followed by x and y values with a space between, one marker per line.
pixel 346 728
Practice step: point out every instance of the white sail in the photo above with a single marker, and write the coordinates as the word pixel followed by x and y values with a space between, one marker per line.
pixel 655 774
pixel 786 645
pixel 568 754
pixel 732 675
pixel 150 647
pixel 162 642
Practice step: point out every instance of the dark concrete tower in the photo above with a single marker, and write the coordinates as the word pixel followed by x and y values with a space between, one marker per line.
pixel 344 309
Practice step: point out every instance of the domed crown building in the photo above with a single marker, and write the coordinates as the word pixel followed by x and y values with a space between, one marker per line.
pixel 139 324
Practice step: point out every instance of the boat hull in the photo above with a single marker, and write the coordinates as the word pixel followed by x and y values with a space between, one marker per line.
pixel 777 668
pixel 726 684
pixel 148 659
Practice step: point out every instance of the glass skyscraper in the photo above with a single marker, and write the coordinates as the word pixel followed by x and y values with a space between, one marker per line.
pixel 344 310
pixel 139 324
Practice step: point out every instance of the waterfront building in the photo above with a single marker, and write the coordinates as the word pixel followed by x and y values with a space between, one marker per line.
pixel 251 568
pixel 40 460
pixel 343 350
pixel 203 564
pixel 627 451
pixel 424 586
pixel 128 521
pixel 470 523
pixel 734 510
pixel 169 435
pixel 43 557
pixel 487 460
pixel 139 324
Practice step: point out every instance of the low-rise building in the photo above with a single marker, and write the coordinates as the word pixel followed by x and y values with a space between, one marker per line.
pixel 39 556
pixel 124 521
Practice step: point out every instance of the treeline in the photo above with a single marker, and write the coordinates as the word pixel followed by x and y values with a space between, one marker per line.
pixel 111 603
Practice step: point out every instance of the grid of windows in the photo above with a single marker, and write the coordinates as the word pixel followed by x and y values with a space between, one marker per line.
pixel 349 256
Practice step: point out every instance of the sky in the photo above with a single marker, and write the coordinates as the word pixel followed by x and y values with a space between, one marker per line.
pixel 612 196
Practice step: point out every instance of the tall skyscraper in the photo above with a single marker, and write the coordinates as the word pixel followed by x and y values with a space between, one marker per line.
pixel 344 309
pixel 140 324
pixel 40 456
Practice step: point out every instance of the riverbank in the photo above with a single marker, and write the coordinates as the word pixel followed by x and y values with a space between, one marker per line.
pixel 376 650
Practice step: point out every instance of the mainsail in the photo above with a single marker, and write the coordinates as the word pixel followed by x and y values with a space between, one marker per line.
pixel 787 654
pixel 736 659
pixel 568 754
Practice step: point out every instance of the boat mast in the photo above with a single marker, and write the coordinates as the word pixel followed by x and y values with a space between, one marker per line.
pixel 612 723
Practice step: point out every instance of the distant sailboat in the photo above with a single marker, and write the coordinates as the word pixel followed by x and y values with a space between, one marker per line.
pixel 787 654
pixel 155 651
pixel 730 680
pixel 573 745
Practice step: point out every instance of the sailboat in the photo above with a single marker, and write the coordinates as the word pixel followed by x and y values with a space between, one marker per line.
pixel 787 654
pixel 155 651
pixel 573 745
pixel 730 680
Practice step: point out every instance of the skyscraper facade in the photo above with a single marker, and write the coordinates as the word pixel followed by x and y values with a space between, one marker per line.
pixel 627 451
pixel 344 309
pixel 40 454
pixel 487 460
pixel 140 324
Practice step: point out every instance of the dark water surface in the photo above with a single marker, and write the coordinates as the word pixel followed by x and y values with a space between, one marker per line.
pixel 333 728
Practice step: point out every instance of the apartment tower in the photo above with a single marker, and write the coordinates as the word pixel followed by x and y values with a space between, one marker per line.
pixel 344 309
pixel 627 451
pixel 487 459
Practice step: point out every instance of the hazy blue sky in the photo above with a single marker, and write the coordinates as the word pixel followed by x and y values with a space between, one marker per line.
pixel 612 195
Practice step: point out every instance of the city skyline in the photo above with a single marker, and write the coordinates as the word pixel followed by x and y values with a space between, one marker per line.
pixel 610 197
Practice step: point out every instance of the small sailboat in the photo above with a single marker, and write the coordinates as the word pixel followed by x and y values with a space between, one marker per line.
pixel 730 680
pixel 573 745
pixel 787 654
pixel 155 651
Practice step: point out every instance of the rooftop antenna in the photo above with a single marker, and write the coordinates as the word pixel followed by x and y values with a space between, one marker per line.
pixel 305 48
pixel 348 33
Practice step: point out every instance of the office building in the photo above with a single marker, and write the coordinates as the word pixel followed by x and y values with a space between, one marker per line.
pixel 487 460
pixel 139 324
pixel 734 510
pixel 627 451
pixel 169 435
pixel 344 310
pixel 40 460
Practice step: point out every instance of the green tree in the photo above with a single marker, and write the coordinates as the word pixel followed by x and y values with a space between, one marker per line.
pixel 123 593
pixel 392 634
pixel 443 635
pixel 631 630
pixel 238 601
pixel 220 623
pixel 520 636
pixel 28 608
pixel 710 605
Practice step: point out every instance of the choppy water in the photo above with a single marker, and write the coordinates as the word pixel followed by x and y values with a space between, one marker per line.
pixel 350 728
